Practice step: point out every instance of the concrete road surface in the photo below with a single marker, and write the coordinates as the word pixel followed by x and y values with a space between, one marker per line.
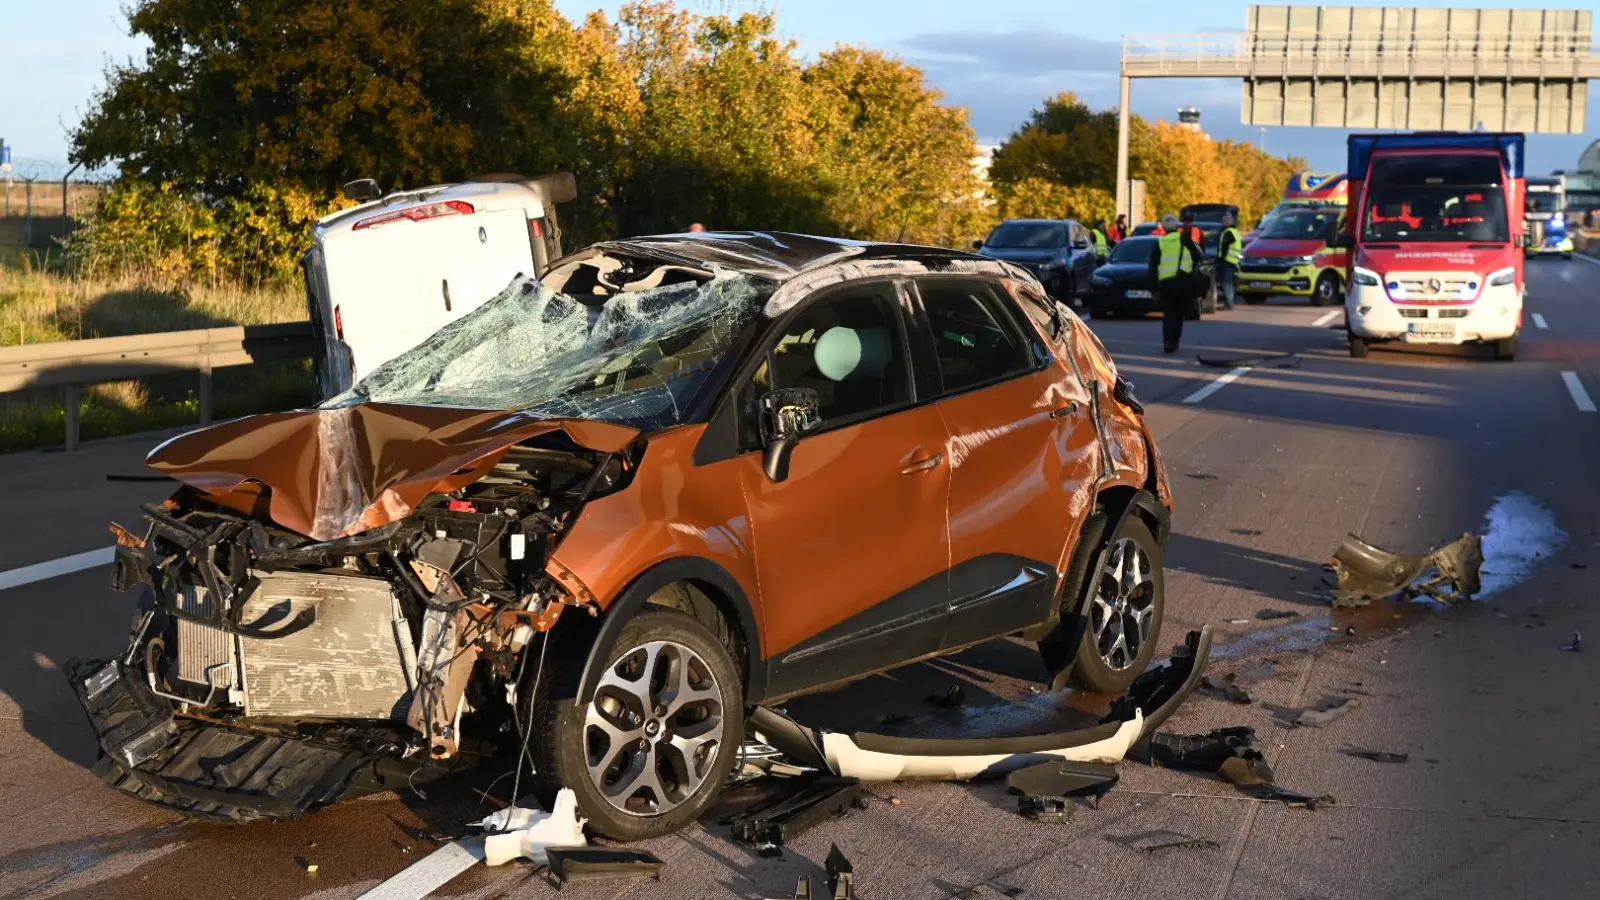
pixel 1271 467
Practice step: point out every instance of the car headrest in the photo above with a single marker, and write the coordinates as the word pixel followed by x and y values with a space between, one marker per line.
pixel 842 352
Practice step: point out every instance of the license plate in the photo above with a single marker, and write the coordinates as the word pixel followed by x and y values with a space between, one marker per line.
pixel 1139 295
pixel 1261 285
pixel 1430 332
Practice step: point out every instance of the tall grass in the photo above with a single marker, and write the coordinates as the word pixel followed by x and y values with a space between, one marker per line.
pixel 40 301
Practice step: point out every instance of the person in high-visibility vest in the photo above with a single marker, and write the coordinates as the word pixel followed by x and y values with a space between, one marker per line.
pixel 1172 268
pixel 1102 248
pixel 1230 252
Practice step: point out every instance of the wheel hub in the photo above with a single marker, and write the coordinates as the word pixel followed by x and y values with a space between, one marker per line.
pixel 1122 611
pixel 651 734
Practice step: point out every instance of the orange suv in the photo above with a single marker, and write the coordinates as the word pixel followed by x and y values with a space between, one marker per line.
pixel 609 511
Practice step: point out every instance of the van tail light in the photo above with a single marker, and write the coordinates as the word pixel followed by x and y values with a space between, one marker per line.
pixel 338 324
pixel 418 213
pixel 537 226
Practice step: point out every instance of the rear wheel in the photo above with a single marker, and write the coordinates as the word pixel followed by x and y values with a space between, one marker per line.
pixel 1358 346
pixel 1506 348
pixel 1326 292
pixel 1123 614
pixel 654 747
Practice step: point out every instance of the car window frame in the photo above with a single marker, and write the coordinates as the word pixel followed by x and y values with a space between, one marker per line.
pixel 1039 354
pixel 903 324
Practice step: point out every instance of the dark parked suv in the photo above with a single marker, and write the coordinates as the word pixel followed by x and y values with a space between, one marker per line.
pixel 1059 252
pixel 611 510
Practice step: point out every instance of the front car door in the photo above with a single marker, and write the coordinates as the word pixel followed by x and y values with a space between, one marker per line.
pixel 1023 456
pixel 1084 260
pixel 851 548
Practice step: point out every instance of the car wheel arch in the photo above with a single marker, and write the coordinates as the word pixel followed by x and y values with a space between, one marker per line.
pixel 707 591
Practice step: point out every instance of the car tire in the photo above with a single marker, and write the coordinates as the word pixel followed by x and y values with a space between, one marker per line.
pixel 564 740
pixel 1091 670
pixel 1505 349
pixel 1326 291
pixel 1358 347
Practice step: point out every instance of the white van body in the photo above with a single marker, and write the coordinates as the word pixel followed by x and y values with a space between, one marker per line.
pixel 383 276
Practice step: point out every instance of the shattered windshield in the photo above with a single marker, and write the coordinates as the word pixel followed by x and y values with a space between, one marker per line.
pixel 634 358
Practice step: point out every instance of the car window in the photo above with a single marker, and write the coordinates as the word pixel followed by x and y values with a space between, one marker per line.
pixel 849 347
pixel 976 339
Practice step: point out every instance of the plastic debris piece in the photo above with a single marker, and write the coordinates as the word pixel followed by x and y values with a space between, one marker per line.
pixel 1044 787
pixel 1325 711
pixel 1288 797
pixel 814 799
pixel 1575 645
pixel 1227 687
pixel 517 832
pixel 1195 752
pixel 1246 532
pixel 1162 841
pixel 1368 572
pixel 1267 615
pixel 841 874
pixel 950 699
pixel 1050 810
pixel 1247 770
pixel 802 890
pixel 576 864
pixel 1201 476
pixel 1382 756
pixel 1275 360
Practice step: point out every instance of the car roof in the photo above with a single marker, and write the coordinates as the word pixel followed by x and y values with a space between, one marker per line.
pixel 1035 222
pixel 774 255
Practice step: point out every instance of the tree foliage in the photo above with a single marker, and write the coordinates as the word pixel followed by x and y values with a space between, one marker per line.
pixel 665 117
pixel 1067 145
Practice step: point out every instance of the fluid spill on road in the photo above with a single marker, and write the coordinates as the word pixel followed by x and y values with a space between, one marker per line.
pixel 1519 532
pixel 1305 633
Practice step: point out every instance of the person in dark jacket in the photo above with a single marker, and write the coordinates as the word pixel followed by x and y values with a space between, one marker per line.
pixel 1173 268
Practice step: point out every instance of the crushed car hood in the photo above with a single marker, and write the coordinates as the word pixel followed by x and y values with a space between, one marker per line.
pixel 328 473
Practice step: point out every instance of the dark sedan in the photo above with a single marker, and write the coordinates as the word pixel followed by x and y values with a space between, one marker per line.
pixel 1123 286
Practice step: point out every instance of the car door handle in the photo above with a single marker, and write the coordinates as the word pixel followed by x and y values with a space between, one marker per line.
pixel 1062 412
pixel 923 465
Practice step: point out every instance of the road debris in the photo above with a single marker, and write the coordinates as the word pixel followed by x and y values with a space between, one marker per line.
pixel 1162 841
pixel 1246 532
pixel 1324 711
pixel 1256 361
pixel 802 890
pixel 1200 476
pixel 1049 810
pixel 1288 797
pixel 950 699
pixel 577 864
pixel 517 832
pixel 1382 756
pixel 813 799
pixel 1227 687
pixel 1267 615
pixel 1575 645
pixel 1251 770
pixel 1049 789
pixel 1196 752
pixel 1368 572
pixel 841 874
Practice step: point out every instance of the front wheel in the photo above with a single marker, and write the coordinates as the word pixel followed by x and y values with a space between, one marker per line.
pixel 1506 348
pixel 1123 612
pixel 1326 292
pixel 654 747
pixel 1358 346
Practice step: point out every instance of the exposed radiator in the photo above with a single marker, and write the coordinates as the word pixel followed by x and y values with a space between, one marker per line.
pixel 348 664
pixel 201 648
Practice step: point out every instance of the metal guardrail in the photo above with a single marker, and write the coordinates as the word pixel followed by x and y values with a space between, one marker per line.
pixel 1559 55
pixel 72 364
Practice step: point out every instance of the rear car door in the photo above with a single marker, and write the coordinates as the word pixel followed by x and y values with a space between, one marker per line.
pixel 852 548
pixel 1023 455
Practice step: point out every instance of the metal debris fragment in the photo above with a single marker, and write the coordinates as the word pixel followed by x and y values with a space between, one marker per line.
pixel 1368 572
pixel 1383 756
pixel 1162 841
pixel 1575 645
pixel 1288 797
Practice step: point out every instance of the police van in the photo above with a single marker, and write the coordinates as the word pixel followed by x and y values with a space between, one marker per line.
pixel 384 275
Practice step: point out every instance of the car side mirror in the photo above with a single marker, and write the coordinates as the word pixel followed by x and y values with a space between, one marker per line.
pixel 1080 245
pixel 977 245
pixel 363 189
pixel 785 415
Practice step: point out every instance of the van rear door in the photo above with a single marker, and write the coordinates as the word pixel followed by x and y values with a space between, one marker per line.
pixel 396 283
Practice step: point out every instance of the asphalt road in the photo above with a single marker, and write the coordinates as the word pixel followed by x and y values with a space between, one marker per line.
pixel 1499 796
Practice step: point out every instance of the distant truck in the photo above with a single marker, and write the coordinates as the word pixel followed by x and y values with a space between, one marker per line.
pixel 1545 217
pixel 383 276
pixel 1435 232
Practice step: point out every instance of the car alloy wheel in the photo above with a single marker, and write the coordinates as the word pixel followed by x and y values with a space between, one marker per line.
pixel 1122 610
pixel 651 734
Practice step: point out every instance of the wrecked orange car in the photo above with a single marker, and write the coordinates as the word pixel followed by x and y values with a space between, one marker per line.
pixel 611 510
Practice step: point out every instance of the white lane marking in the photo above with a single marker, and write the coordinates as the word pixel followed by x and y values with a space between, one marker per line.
pixel 66 565
pixel 1215 386
pixel 1326 318
pixel 1539 321
pixel 428 874
pixel 1586 258
pixel 1579 395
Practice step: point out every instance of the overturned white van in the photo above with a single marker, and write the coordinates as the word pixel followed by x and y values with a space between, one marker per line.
pixel 382 276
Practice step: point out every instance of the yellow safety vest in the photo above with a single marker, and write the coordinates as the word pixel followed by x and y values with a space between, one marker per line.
pixel 1236 249
pixel 1174 259
pixel 1100 245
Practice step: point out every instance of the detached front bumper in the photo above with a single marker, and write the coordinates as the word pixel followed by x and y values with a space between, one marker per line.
pixel 213 771
pixel 1495 315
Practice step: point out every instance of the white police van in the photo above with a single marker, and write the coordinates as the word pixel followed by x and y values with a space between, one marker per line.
pixel 382 276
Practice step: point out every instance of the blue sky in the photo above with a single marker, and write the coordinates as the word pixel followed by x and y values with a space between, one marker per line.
pixel 997 59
